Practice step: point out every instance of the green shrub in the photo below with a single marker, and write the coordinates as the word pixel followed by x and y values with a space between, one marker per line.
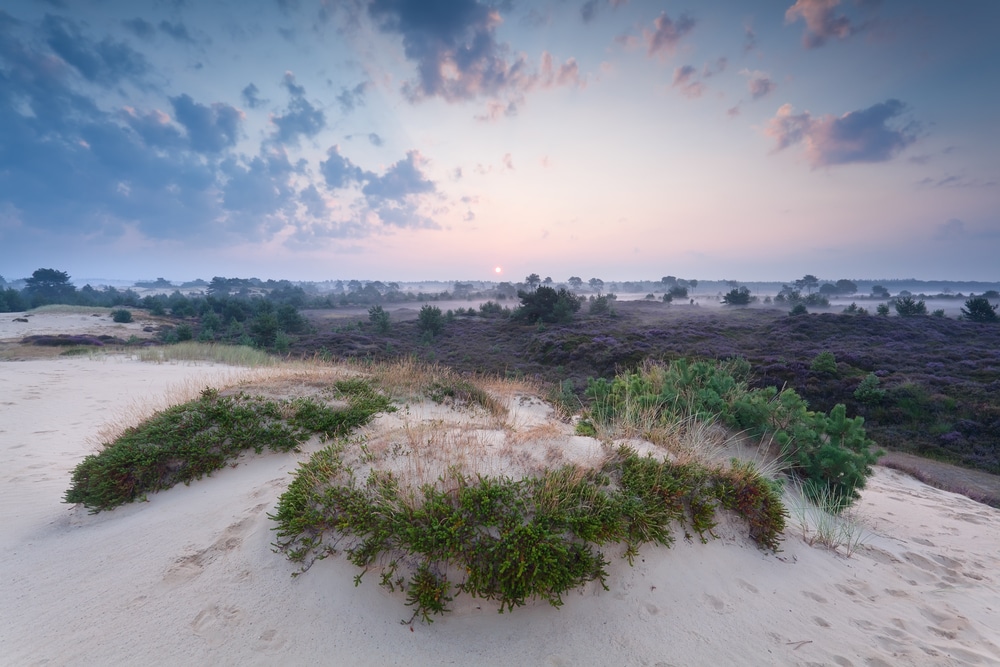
pixel 799 309
pixel 882 309
pixel 510 540
pixel 868 392
pixel 906 306
pixel 979 309
pixel 430 320
pixel 122 315
pixel 379 319
pixel 546 305
pixel 825 450
pixel 183 332
pixel 738 296
pixel 824 362
pixel 196 438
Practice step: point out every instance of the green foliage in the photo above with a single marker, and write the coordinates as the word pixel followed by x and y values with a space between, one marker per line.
pixel 183 332
pixel 546 305
pixel 799 309
pixel 824 362
pixel 855 309
pixel 122 315
pixel 882 309
pixel 430 320
pixel 600 306
pixel 979 309
pixel 868 392
pixel 196 438
pixel 906 306
pixel 49 286
pixel 264 329
pixel 511 540
pixel 379 319
pixel 738 296
pixel 828 451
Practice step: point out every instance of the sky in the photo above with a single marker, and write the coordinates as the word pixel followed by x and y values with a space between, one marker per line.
pixel 473 140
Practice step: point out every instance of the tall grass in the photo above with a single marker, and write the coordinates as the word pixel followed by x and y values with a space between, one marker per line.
pixel 231 355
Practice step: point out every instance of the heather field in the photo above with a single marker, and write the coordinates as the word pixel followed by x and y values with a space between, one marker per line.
pixel 936 393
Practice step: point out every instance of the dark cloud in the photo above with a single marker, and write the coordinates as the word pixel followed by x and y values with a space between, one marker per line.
pixel 140 28
pixel 350 98
pixel 457 55
pixel 314 202
pixel 301 117
pixel 667 33
pixel 177 31
pixel 400 180
pixel 822 21
pixel 338 171
pixel 251 96
pixel 210 129
pixel 858 136
pixel 107 62
pixel 155 128
pixel 375 139
pixel 588 11
pixel 760 84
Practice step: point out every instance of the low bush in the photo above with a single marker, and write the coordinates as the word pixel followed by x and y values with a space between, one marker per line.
pixel 509 540
pixel 196 438
pixel 122 315
pixel 828 452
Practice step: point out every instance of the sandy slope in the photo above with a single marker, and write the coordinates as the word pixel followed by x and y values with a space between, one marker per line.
pixel 190 578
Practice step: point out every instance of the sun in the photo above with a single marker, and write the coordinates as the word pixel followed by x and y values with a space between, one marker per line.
pixel 498 270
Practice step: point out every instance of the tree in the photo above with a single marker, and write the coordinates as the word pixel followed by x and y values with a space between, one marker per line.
pixel 693 284
pixel 678 292
pixel 546 305
pixel 880 292
pixel 908 307
pixel 379 318
pixel 49 286
pixel 979 309
pixel 596 284
pixel 533 281
pixel 575 282
pixel 430 320
pixel 845 286
pixel 738 296
pixel 807 282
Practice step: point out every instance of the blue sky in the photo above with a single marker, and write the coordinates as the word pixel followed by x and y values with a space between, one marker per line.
pixel 431 139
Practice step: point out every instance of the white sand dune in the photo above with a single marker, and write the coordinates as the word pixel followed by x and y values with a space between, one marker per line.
pixel 190 576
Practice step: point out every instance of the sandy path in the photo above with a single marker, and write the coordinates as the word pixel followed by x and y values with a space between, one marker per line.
pixel 189 577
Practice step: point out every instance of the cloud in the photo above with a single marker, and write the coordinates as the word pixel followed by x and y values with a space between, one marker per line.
pixel 155 128
pixel 375 139
pixel 857 136
pixel 140 28
pixel 338 171
pixel 822 22
pixel 401 180
pixel 301 117
pixel 107 62
pixel 508 161
pixel 667 33
pixel 749 38
pixel 251 97
pixel 759 83
pixel 209 128
pixel 684 79
pixel 458 57
pixel 350 98
pixel 177 31
pixel 588 11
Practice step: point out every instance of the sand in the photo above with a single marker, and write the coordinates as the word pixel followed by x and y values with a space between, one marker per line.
pixel 190 577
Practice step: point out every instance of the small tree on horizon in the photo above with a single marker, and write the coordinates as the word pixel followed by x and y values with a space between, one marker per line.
pixel 979 309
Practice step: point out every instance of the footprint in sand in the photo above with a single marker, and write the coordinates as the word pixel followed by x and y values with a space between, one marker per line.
pixel 814 597
pixel 189 566
pixel 212 623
